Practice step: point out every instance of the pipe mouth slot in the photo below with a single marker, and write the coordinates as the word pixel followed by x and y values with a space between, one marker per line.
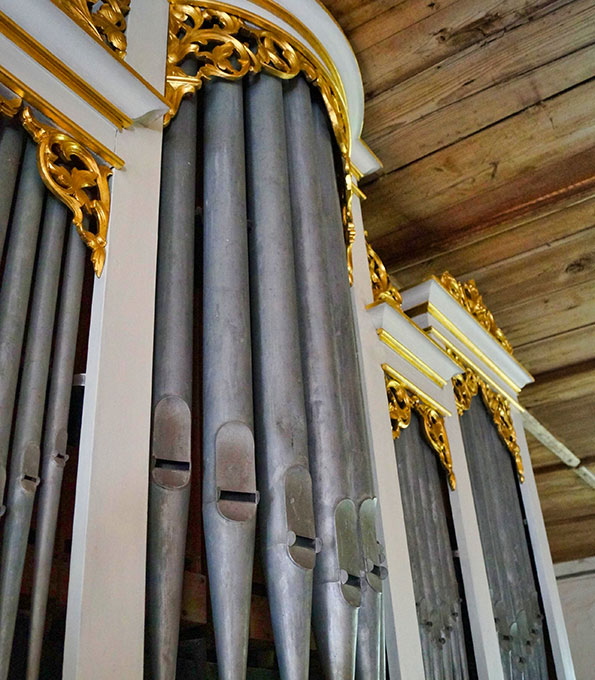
pixel 238 496
pixel 304 542
pixel 348 579
pixel 166 464
pixel 29 482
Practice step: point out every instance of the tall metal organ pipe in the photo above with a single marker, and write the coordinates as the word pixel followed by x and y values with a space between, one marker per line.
pixel 336 592
pixel 55 438
pixel 370 659
pixel 229 480
pixel 11 146
pixel 286 514
pixel 14 291
pixel 24 466
pixel 169 487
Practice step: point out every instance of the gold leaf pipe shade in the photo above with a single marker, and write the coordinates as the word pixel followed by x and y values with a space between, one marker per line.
pixel 382 288
pixel 400 404
pixel 104 20
pixel 468 296
pixel 73 175
pixel 466 385
pixel 228 44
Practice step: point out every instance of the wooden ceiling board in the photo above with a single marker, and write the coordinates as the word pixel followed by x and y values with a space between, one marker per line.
pixel 482 113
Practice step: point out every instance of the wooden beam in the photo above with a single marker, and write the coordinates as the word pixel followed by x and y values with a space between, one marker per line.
pixel 570 382
pixel 554 351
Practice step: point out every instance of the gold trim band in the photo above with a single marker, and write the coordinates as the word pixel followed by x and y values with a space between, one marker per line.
pixel 32 98
pixel 395 375
pixel 414 360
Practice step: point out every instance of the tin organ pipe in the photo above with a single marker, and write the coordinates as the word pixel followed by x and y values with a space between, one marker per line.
pixel 370 646
pixel 14 292
pixel 11 146
pixel 510 573
pixel 336 592
pixel 24 467
pixel 54 442
pixel 169 487
pixel 229 479
pixel 286 514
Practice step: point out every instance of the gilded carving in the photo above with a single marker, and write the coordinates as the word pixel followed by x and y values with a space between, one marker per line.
pixel 382 288
pixel 227 46
pixel 400 404
pixel 9 106
pixel 466 385
pixel 105 19
pixel 467 295
pixel 71 173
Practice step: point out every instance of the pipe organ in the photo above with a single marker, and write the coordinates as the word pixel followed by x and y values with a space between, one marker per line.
pixel 272 404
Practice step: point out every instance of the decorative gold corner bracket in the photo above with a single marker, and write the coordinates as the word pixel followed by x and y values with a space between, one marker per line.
pixel 229 46
pixel 382 288
pixel 400 404
pixel 9 106
pixel 467 295
pixel 73 175
pixel 104 20
pixel 466 385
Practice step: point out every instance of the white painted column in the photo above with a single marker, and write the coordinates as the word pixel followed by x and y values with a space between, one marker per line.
pixel 402 632
pixel 106 596
pixel 475 579
pixel 543 561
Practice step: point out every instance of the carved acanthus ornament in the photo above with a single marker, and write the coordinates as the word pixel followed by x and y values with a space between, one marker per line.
pixel 400 404
pixel 9 106
pixel 226 45
pixel 467 295
pixel 466 385
pixel 73 175
pixel 382 288
pixel 105 20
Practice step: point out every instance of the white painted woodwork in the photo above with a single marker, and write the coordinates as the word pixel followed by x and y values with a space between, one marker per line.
pixel 75 48
pixel 543 561
pixel 106 596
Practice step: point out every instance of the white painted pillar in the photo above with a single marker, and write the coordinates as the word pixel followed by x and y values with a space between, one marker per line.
pixel 475 579
pixel 543 561
pixel 106 596
pixel 403 643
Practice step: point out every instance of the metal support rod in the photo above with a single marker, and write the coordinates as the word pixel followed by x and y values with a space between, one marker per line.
pixel 24 464
pixel 337 590
pixel 169 488
pixel 286 513
pixel 14 292
pixel 229 479
pixel 370 646
pixel 54 456
pixel 11 146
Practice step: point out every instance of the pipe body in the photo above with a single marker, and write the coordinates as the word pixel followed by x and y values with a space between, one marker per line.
pixel 370 646
pixel 286 513
pixel 337 593
pixel 170 468
pixel 24 464
pixel 14 292
pixel 55 437
pixel 229 480
pixel 11 146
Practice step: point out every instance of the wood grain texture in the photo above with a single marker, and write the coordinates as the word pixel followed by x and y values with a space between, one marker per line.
pixel 482 113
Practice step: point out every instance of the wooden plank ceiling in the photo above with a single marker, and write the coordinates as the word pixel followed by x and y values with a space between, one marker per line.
pixel 483 113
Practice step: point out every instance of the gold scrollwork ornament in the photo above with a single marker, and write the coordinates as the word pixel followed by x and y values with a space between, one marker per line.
pixel 9 106
pixel 382 288
pixel 400 404
pixel 73 175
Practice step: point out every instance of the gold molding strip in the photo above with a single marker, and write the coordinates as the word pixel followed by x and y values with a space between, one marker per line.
pixel 438 337
pixel 410 357
pixel 66 75
pixel 400 404
pixel 428 307
pixel 399 377
pixel 47 109
pixel 466 386
pixel 228 42
pixel 468 296
pixel 106 22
